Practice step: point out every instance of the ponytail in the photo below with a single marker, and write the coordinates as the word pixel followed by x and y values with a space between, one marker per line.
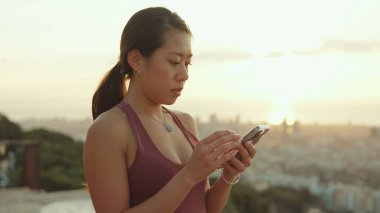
pixel 110 91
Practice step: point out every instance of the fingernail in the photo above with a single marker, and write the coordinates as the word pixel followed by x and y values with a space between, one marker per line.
pixel 234 153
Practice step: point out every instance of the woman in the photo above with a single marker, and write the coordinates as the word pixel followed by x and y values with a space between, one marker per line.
pixel 141 157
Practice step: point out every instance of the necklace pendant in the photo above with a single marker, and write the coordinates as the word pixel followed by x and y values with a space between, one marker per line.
pixel 168 128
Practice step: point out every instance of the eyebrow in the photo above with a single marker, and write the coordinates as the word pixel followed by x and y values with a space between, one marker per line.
pixel 180 54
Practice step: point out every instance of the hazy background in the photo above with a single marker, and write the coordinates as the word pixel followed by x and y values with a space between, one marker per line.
pixel 314 62
pixel 311 61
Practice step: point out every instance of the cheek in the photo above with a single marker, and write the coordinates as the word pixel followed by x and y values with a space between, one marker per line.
pixel 158 80
pixel 164 73
pixel 159 74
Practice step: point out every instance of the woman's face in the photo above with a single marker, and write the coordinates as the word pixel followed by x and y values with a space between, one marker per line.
pixel 164 73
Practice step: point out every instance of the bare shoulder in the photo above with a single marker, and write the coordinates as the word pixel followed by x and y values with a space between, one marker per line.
pixel 104 161
pixel 110 128
pixel 187 120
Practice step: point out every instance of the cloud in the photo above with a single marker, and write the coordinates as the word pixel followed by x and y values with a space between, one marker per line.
pixel 351 46
pixel 307 52
pixel 223 55
pixel 334 45
pixel 275 54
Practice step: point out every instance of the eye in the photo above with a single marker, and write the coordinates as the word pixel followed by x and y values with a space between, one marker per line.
pixel 174 62
pixel 187 64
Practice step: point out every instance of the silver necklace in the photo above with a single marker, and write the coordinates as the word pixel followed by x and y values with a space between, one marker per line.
pixel 168 127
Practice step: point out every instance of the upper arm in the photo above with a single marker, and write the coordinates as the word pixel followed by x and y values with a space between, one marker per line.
pixel 105 168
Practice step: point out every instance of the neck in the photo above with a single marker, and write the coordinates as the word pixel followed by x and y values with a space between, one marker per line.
pixel 143 105
pixel 146 107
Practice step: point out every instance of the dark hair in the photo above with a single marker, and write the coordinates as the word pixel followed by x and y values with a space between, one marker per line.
pixel 145 31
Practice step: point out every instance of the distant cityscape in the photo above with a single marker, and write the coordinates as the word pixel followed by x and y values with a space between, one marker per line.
pixel 339 164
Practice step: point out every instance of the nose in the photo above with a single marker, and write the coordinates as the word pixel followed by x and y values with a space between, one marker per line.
pixel 182 74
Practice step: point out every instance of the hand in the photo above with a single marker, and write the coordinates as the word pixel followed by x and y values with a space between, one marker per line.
pixel 211 153
pixel 239 163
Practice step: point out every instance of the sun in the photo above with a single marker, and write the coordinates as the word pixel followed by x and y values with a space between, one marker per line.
pixel 281 110
pixel 277 117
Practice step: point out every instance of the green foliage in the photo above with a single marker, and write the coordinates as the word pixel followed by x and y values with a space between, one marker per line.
pixel 8 129
pixel 245 199
pixel 15 175
pixel 60 159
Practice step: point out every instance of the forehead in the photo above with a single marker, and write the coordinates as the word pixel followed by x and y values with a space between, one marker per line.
pixel 177 42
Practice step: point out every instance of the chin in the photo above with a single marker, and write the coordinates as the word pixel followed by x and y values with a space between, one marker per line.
pixel 170 101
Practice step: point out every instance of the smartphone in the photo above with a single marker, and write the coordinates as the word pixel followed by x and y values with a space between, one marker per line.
pixel 257 131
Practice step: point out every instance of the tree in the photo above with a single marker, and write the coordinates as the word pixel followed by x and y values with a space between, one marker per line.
pixel 8 129
pixel 61 166
pixel 61 160
pixel 245 199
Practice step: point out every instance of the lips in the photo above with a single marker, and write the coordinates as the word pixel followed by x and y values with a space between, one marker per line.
pixel 177 91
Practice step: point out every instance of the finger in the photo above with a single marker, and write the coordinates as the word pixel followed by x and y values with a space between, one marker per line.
pixel 228 168
pixel 218 143
pixel 211 146
pixel 216 135
pixel 245 157
pixel 224 139
pixel 238 165
pixel 251 149
pixel 224 149
pixel 225 158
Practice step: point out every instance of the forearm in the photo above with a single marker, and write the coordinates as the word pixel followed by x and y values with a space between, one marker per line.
pixel 217 195
pixel 168 198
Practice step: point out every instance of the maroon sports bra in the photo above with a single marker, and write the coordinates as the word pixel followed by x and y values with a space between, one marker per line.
pixel 151 170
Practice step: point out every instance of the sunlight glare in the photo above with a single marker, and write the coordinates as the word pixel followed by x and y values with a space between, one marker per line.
pixel 281 110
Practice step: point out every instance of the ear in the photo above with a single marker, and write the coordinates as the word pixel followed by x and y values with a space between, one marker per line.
pixel 135 60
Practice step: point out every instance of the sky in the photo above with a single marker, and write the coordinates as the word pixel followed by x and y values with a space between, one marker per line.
pixel 310 61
